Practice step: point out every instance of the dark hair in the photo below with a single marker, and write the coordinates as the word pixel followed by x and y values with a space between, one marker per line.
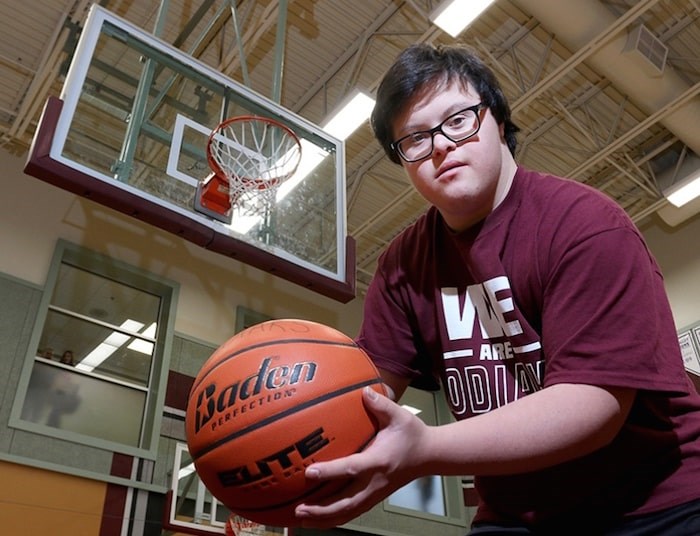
pixel 423 66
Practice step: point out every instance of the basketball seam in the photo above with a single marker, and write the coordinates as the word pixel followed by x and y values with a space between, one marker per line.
pixel 272 418
pixel 262 345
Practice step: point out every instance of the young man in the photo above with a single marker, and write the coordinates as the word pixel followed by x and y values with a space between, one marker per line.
pixel 534 303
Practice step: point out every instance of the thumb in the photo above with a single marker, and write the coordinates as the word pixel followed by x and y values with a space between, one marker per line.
pixel 380 406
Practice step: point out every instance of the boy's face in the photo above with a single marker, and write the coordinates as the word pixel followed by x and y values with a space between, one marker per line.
pixel 464 180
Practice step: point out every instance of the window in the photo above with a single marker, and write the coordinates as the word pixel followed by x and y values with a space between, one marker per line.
pixel 97 356
pixel 427 494
pixel 429 505
pixel 190 505
pixel 191 508
pixel 247 317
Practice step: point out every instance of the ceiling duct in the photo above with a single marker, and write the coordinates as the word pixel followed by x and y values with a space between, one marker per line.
pixel 632 61
pixel 578 22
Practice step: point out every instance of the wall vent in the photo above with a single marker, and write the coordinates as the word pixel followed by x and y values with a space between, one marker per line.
pixel 649 47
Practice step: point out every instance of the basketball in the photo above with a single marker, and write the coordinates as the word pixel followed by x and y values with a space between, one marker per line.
pixel 269 402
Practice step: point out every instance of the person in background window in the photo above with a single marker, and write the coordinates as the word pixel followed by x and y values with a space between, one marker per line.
pixel 63 397
pixel 67 358
pixel 533 301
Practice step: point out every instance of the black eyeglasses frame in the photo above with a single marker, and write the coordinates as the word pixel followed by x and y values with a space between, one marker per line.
pixel 476 108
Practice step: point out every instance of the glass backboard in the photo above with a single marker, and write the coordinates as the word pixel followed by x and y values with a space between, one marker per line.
pixel 130 131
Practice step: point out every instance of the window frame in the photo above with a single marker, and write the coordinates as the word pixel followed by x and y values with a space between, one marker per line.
pixel 123 273
pixel 392 520
pixel 451 488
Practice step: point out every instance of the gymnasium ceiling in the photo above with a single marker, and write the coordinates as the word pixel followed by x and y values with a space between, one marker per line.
pixel 593 101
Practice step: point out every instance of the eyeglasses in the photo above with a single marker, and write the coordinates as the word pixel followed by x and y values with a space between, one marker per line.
pixel 457 127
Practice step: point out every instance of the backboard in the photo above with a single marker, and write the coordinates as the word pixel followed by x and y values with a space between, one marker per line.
pixel 130 129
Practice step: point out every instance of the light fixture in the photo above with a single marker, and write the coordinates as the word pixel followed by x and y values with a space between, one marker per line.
pixel 116 340
pixel 453 16
pixel 311 157
pixel 685 190
pixel 352 112
pixel 143 346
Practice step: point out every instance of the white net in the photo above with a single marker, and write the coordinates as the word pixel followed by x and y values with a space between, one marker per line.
pixel 255 155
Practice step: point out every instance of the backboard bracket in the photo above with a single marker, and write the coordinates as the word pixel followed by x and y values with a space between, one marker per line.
pixel 210 201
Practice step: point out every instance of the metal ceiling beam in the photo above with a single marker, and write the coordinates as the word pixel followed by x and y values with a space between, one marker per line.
pixel 583 53
pixel 32 101
pixel 254 32
pixel 280 38
pixel 338 64
pixel 625 138
pixel 575 19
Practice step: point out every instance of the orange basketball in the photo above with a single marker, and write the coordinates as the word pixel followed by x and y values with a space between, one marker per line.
pixel 269 402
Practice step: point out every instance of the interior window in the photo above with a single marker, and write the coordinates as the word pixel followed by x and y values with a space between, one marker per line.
pixel 97 357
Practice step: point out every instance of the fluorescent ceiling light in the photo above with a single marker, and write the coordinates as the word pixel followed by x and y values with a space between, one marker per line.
pixel 107 347
pixel 453 16
pixel 685 190
pixel 351 114
pixel 311 157
pixel 116 340
pixel 142 346
pixel 185 471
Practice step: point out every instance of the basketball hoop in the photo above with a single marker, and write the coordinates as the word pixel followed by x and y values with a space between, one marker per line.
pixel 250 157
pixel 240 526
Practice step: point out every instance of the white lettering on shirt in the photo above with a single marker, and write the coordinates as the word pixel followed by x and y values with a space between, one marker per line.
pixel 477 388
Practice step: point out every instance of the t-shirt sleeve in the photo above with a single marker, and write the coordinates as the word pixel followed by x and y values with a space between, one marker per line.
pixel 388 333
pixel 606 319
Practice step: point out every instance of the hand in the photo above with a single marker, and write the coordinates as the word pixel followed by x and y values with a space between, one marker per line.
pixel 389 462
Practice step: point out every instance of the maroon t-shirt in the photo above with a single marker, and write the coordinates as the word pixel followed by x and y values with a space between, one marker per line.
pixel 556 285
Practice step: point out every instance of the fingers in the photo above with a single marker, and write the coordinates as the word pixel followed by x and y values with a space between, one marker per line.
pixel 390 417
pixel 347 467
pixel 339 509
pixel 310 519
pixel 355 464
pixel 371 473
